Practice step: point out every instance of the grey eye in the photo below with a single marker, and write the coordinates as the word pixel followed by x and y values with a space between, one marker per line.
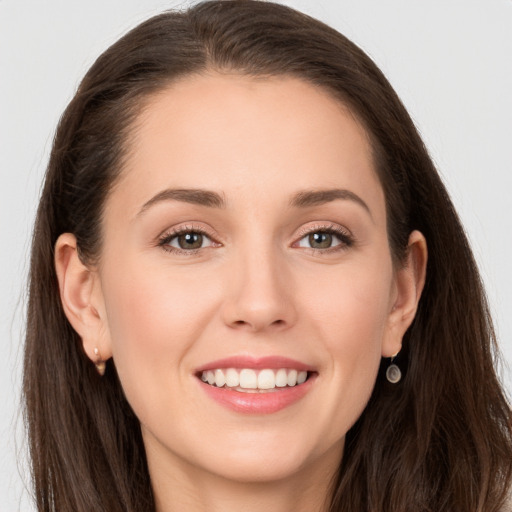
pixel 320 240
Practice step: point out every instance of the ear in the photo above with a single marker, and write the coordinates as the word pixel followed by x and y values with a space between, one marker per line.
pixel 82 299
pixel 409 282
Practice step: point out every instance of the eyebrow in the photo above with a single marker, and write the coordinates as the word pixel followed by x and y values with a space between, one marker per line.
pixel 185 195
pixel 208 198
pixel 307 198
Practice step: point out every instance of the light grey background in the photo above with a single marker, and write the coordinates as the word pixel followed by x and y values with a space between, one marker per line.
pixel 449 60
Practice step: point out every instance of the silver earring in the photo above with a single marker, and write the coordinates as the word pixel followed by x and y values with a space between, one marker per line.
pixel 99 364
pixel 393 373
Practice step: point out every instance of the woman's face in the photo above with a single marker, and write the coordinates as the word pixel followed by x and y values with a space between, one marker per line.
pixel 247 233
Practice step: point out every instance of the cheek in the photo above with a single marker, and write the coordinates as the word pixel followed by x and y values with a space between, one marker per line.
pixel 351 307
pixel 151 305
pixel 349 318
pixel 154 319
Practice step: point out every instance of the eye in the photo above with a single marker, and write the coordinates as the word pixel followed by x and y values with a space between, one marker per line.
pixel 185 240
pixel 319 240
pixel 325 239
pixel 190 240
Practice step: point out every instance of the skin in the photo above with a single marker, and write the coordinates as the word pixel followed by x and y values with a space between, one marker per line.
pixel 256 287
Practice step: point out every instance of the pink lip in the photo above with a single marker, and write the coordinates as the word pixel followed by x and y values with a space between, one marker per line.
pixel 270 362
pixel 257 403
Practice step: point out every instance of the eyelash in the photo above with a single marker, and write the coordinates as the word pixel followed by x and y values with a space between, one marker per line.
pixel 345 238
pixel 169 236
pixel 343 235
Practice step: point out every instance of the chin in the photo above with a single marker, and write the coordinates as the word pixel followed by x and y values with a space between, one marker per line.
pixel 259 470
pixel 272 459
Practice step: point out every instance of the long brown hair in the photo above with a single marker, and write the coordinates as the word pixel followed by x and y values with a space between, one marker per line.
pixel 440 440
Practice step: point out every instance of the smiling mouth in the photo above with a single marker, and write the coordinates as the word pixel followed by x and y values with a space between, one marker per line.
pixel 248 380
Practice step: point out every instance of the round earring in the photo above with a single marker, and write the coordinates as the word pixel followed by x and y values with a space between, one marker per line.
pixel 393 373
pixel 99 364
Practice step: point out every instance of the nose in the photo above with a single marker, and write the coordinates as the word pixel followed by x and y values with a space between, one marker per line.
pixel 260 293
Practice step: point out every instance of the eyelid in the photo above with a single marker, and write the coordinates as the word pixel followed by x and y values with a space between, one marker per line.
pixel 322 226
pixel 190 227
pixel 344 235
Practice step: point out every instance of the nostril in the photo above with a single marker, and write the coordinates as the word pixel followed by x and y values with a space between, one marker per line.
pixel 258 324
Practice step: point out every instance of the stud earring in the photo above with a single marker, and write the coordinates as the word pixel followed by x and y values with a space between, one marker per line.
pixel 99 364
pixel 393 373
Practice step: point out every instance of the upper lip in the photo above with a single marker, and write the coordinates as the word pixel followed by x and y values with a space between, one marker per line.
pixel 244 361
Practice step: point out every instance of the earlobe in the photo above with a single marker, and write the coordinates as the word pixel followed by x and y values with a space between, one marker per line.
pixel 81 298
pixel 410 280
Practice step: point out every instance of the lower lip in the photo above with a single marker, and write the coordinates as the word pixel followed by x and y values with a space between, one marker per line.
pixel 258 403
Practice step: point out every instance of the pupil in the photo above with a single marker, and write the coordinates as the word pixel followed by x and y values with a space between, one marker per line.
pixel 320 240
pixel 190 241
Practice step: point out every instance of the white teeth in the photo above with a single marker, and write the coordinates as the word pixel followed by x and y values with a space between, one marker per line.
pixel 219 378
pixel 281 378
pixel 249 379
pixel 266 379
pixel 232 378
pixel 292 377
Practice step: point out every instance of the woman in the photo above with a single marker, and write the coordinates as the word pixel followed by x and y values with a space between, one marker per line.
pixel 249 288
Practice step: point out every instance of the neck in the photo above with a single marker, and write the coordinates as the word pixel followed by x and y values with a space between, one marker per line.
pixel 181 486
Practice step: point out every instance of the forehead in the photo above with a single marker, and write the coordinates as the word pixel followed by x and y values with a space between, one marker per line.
pixel 226 132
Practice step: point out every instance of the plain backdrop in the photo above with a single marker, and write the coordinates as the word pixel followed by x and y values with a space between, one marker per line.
pixel 449 60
